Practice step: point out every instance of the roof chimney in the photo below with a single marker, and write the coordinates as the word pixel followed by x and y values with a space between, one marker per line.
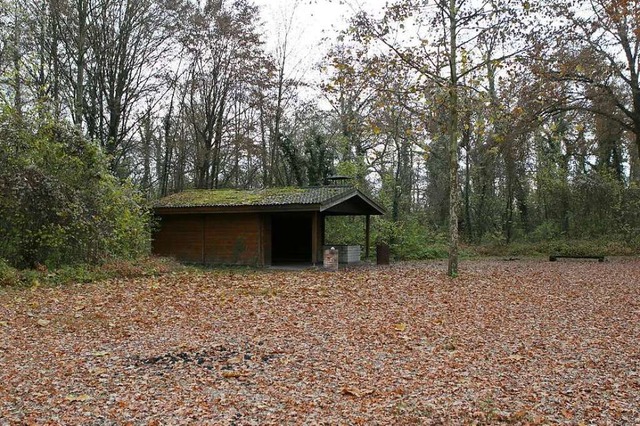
pixel 337 181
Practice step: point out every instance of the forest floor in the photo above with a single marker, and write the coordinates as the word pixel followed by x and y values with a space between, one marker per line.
pixel 522 342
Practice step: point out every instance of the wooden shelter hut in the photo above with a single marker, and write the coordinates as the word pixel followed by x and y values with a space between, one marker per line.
pixel 254 227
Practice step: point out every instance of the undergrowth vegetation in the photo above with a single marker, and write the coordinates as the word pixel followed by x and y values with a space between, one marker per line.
pixel 592 247
pixel 86 273
pixel 414 240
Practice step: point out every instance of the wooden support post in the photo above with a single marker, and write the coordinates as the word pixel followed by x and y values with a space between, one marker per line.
pixel 314 238
pixel 268 239
pixel 204 239
pixel 367 237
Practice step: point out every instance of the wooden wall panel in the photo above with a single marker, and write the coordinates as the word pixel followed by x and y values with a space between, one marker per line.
pixel 180 236
pixel 233 239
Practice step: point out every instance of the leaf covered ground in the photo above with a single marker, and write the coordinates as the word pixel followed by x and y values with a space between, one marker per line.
pixel 526 342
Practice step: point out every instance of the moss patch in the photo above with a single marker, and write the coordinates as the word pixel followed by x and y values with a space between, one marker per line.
pixel 234 197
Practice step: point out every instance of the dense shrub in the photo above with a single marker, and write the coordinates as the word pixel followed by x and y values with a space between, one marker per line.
pixel 411 239
pixel 344 230
pixel 59 205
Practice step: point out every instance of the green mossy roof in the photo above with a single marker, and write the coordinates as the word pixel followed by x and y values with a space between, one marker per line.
pixel 262 197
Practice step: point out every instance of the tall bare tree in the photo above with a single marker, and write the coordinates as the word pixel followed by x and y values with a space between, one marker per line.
pixel 444 56
pixel 596 49
pixel 224 51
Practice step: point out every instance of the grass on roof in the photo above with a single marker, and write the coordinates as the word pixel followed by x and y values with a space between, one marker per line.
pixel 196 197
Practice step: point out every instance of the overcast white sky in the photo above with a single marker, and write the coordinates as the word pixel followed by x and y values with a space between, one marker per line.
pixel 313 21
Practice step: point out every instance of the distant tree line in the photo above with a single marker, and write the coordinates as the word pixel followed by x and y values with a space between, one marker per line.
pixel 469 118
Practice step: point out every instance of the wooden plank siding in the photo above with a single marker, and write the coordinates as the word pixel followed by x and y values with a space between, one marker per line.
pixel 232 239
pixel 180 237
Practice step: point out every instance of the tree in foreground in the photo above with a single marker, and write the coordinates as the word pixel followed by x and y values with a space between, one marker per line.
pixel 444 59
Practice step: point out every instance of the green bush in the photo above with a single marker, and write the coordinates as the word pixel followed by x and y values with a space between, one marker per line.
pixel 8 275
pixel 344 230
pixel 546 231
pixel 59 205
pixel 414 241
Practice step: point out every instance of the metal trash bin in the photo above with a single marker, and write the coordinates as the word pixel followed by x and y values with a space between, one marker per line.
pixel 382 254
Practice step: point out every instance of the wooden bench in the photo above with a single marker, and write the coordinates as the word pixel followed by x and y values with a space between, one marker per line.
pixel 554 257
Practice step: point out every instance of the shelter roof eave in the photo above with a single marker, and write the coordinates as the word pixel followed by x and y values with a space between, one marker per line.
pixel 328 200
pixel 373 208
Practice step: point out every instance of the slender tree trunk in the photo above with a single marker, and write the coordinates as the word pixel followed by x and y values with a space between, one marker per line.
pixel 634 160
pixel 452 269
pixel 17 61
pixel 509 166
pixel 54 13
pixel 81 42
pixel 217 146
pixel 146 135
pixel 467 195
pixel 168 152
pixel 263 139
pixel 395 206
pixel 275 139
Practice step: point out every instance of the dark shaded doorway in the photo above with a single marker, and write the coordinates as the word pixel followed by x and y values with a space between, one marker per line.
pixel 290 238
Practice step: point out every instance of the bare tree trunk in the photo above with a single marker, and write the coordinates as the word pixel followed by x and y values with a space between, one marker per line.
pixel 163 172
pixel 54 13
pixel 263 145
pixel 454 198
pixel 81 48
pixel 146 137
pixel 467 194
pixel 217 146
pixel 276 137
pixel 634 159
pixel 17 61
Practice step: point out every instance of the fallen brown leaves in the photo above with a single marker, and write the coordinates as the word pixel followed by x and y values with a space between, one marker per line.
pixel 527 342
